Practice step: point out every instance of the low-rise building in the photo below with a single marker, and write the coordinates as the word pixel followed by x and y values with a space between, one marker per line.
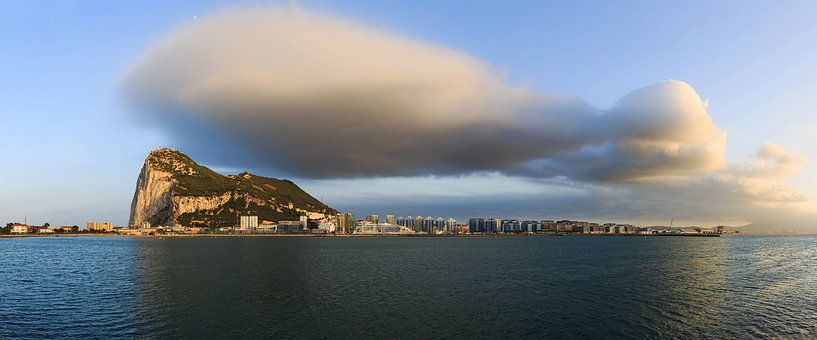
pixel 566 226
pixel 548 225
pixel 266 228
pixel 327 226
pixel 369 228
pixel 647 231
pixel 19 228
pixel 129 231
pixel 686 230
pixel 626 229
pixel 290 227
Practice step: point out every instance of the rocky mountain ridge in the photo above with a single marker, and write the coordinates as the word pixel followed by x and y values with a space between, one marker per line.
pixel 172 189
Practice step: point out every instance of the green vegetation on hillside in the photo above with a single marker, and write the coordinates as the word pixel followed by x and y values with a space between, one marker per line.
pixel 193 179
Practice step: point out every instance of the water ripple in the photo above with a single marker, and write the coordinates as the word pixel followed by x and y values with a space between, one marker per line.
pixel 535 287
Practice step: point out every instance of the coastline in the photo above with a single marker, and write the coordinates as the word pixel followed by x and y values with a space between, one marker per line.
pixel 367 235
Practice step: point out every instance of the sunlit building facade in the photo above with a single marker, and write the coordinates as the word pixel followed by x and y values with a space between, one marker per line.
pixel 248 222
pixel 99 226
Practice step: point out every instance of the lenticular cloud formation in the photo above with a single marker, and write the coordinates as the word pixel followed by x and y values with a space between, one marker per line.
pixel 326 98
pixel 321 97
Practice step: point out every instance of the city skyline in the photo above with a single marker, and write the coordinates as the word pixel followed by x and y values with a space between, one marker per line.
pixel 516 115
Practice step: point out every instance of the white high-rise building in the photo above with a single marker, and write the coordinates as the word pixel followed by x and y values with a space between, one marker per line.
pixel 248 222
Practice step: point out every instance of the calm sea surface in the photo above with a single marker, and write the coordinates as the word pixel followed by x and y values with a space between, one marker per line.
pixel 556 287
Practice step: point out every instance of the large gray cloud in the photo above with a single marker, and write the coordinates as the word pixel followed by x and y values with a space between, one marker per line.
pixel 322 97
pixel 741 194
pixel 326 98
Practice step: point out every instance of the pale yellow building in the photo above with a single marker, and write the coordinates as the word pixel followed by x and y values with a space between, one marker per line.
pixel 99 226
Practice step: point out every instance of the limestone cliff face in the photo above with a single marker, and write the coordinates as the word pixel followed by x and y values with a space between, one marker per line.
pixel 172 190
pixel 153 200
pixel 192 204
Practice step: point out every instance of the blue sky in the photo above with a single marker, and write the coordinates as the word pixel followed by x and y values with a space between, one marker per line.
pixel 72 153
